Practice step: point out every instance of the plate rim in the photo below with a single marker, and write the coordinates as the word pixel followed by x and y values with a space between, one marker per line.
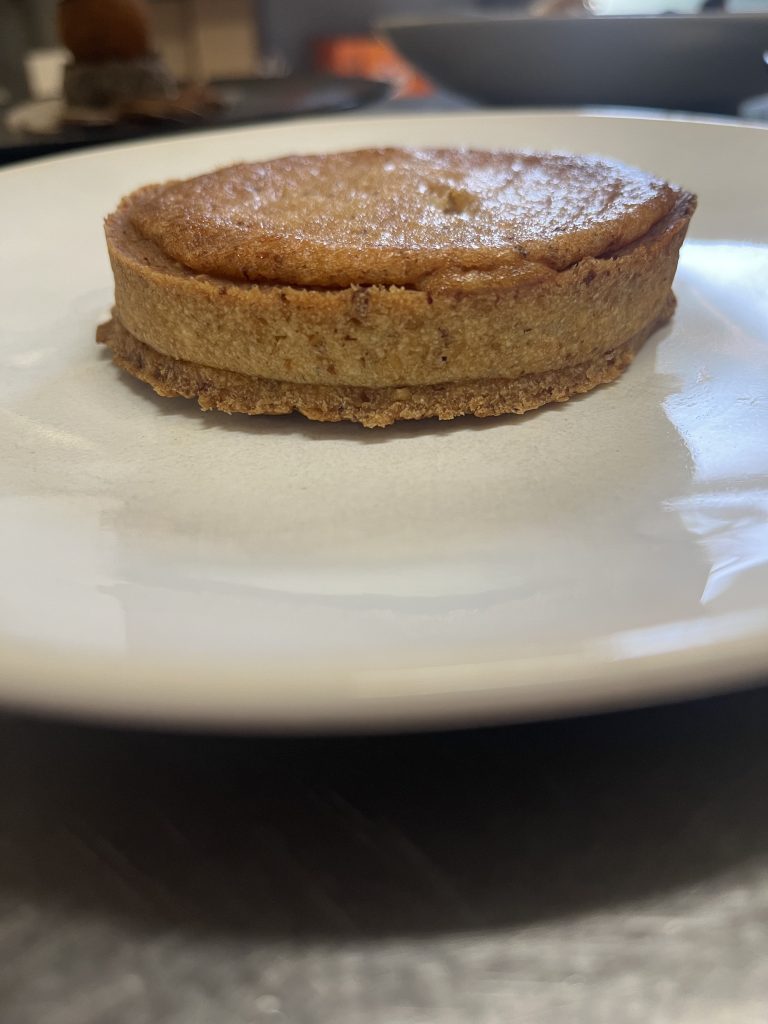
pixel 365 118
pixel 339 698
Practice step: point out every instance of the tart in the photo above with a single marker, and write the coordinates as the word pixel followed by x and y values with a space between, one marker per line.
pixel 387 284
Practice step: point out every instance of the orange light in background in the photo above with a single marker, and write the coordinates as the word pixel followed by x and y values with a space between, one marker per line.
pixel 367 57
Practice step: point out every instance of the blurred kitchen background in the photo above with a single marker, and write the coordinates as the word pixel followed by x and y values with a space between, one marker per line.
pixel 717 64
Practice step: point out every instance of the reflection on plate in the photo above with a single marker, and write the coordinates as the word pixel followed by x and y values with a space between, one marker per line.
pixel 161 564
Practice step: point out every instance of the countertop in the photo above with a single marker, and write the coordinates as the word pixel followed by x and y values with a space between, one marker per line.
pixel 604 869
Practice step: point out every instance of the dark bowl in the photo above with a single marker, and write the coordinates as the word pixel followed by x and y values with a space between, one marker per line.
pixel 708 62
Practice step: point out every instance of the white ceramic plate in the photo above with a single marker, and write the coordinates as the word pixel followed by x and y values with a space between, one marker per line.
pixel 159 564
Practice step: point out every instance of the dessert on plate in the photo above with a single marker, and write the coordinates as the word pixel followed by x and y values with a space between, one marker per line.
pixel 387 284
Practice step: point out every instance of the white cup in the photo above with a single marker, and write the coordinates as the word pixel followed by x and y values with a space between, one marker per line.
pixel 45 72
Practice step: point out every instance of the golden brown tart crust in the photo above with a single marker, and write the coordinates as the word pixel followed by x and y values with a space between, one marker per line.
pixel 373 407
pixel 426 284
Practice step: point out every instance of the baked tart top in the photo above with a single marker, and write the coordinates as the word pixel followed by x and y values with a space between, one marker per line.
pixel 400 216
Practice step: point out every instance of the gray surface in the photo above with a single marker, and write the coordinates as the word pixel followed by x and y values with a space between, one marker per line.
pixel 707 63
pixel 611 869
pixel 24 24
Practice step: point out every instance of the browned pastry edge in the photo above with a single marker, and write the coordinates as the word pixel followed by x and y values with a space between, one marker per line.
pixel 395 337
pixel 231 392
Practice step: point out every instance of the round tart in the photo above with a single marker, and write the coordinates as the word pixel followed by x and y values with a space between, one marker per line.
pixel 390 284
